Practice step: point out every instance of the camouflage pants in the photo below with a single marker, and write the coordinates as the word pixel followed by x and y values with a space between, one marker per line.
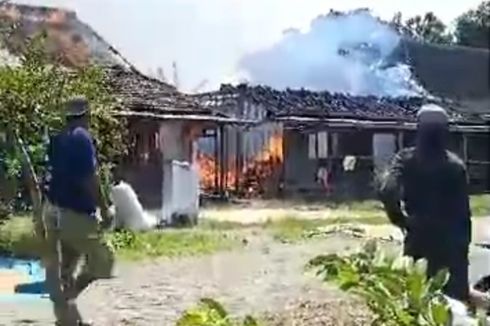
pixel 72 237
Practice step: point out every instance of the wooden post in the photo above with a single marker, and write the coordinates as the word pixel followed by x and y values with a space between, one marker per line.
pixel 465 149
pixel 400 140
pixel 238 162
pixel 217 166
pixel 222 161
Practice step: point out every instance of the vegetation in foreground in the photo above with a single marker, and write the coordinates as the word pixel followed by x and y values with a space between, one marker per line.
pixel 396 289
pixel 17 238
pixel 211 313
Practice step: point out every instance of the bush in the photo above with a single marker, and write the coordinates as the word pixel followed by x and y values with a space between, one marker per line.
pixel 396 289
pixel 211 313
pixel 32 97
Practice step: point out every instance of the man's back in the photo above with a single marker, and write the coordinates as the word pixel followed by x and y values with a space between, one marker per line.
pixel 72 161
pixel 435 197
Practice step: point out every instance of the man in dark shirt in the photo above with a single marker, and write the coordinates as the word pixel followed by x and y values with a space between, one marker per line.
pixel 73 194
pixel 432 184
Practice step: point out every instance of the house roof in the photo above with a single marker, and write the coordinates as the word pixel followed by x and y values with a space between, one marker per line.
pixel 76 44
pixel 140 93
pixel 322 105
pixel 457 77
pixel 68 39
pixel 459 73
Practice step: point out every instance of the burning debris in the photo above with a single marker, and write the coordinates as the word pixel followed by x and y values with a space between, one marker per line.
pixel 250 179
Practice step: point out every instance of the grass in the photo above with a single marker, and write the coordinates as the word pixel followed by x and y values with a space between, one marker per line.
pixel 480 205
pixel 17 239
pixel 292 229
pixel 169 243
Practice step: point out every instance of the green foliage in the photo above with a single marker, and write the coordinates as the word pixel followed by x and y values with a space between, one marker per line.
pixel 211 313
pixel 396 289
pixel 17 238
pixel 32 97
pixel 428 28
pixel 473 27
pixel 168 243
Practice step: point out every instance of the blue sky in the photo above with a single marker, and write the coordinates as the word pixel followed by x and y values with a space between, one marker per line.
pixel 207 37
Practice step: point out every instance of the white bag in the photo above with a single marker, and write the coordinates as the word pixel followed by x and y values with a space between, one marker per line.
pixel 129 213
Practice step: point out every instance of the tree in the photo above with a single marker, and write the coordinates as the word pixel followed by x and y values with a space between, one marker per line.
pixel 473 27
pixel 32 96
pixel 428 28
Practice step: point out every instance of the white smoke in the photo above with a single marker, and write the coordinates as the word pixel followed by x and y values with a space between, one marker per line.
pixel 342 53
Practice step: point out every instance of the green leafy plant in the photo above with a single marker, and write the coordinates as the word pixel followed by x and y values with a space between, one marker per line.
pixel 123 239
pixel 211 313
pixel 396 289
pixel 32 96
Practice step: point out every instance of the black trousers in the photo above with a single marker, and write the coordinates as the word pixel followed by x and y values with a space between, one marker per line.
pixel 444 257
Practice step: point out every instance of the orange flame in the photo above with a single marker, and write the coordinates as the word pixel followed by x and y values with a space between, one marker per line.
pixel 254 175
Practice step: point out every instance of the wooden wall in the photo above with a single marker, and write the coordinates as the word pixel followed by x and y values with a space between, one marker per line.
pixel 301 166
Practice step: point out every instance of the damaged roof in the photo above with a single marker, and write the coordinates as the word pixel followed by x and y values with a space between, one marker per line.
pixel 68 40
pixel 323 105
pixel 140 93
pixel 75 44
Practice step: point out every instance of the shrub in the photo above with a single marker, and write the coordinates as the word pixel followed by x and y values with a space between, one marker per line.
pixel 211 313
pixel 396 289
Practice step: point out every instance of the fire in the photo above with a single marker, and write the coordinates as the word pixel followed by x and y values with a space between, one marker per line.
pixel 253 178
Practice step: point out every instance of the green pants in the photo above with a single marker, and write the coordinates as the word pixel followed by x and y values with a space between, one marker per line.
pixel 72 237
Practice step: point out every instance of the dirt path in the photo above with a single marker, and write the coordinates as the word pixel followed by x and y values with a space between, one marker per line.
pixel 264 276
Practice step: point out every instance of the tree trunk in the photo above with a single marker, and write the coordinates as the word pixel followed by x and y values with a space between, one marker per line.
pixel 33 187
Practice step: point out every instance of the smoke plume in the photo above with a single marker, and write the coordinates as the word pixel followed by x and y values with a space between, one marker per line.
pixel 342 53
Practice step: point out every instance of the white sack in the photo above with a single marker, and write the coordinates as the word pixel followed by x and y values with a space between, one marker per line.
pixel 129 213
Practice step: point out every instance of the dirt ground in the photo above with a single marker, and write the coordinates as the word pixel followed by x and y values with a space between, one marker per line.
pixel 264 276
pixel 260 211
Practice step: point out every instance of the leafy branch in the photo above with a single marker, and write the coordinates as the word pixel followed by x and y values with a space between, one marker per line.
pixel 31 104
pixel 211 313
pixel 396 289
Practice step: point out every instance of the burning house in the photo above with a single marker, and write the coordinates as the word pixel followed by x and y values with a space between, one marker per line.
pixel 163 126
pixel 163 122
pixel 340 99
pixel 304 142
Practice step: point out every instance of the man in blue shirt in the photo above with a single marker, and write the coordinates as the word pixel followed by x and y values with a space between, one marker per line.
pixel 73 194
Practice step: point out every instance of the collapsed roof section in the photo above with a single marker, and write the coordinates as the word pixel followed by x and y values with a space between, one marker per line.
pixel 138 92
pixel 75 44
pixel 68 39
pixel 324 105
pixel 140 96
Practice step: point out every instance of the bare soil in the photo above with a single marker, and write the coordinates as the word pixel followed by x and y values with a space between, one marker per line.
pixel 262 278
